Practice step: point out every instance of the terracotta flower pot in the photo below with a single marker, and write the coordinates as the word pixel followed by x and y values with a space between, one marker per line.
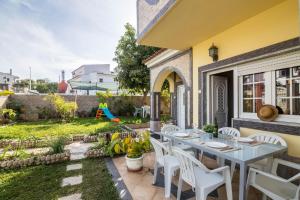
pixel 134 164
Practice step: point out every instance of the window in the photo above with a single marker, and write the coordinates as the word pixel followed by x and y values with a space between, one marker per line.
pixel 280 87
pixel 253 92
pixel 288 90
pixel 100 80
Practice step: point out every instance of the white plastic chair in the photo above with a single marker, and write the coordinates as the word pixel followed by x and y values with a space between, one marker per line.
pixel 203 180
pixel 146 111
pixel 273 186
pixel 230 132
pixel 165 160
pixel 266 164
pixel 170 129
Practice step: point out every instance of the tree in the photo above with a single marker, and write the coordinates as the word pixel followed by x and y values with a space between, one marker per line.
pixel 132 73
pixel 46 87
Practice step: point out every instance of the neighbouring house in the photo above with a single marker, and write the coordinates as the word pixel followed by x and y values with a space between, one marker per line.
pixel 223 61
pixel 88 79
pixel 7 80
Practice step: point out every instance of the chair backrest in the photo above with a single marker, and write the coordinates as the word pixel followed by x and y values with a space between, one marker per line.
pixel 169 128
pixel 229 131
pixel 159 148
pixel 269 138
pixel 187 163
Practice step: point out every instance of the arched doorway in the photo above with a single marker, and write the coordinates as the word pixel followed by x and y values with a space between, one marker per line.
pixel 179 99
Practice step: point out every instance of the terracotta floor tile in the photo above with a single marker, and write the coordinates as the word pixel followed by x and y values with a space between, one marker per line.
pixel 140 185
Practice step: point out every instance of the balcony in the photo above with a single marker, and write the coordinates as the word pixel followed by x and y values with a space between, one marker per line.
pixel 178 24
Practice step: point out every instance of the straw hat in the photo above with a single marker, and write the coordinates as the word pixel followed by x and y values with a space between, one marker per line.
pixel 267 113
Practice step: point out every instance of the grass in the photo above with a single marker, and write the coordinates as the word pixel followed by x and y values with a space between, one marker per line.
pixel 53 128
pixel 43 182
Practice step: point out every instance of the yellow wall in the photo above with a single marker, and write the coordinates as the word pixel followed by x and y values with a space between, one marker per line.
pixel 274 25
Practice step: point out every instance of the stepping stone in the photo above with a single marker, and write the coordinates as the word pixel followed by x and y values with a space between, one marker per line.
pixel 74 167
pixel 77 156
pixel 76 196
pixel 73 180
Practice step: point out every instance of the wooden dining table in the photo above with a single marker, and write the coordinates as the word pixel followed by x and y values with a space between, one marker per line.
pixel 240 152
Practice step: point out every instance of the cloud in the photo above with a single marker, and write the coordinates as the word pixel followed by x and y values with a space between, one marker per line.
pixel 52 35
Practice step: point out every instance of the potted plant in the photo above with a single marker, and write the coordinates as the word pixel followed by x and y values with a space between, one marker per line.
pixel 132 147
pixel 135 148
pixel 211 128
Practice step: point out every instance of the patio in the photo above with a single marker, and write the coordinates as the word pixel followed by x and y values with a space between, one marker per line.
pixel 139 184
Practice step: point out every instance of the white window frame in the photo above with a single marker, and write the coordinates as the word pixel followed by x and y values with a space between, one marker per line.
pixel 269 66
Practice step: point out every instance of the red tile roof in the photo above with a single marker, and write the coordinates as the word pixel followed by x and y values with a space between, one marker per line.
pixel 154 55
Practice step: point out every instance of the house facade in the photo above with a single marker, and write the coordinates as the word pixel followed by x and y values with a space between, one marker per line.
pixel 254 59
pixel 7 80
pixel 91 78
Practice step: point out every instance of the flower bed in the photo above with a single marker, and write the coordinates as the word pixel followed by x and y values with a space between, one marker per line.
pixel 15 144
pixel 95 153
pixel 35 160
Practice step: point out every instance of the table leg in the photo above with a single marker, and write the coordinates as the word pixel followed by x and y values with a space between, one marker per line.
pixel 243 179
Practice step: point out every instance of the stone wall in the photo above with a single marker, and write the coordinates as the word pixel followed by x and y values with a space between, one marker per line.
pixel 33 103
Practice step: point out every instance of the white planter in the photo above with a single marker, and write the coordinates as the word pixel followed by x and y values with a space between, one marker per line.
pixel 134 164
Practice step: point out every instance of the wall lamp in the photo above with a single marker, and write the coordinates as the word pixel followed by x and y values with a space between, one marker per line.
pixel 213 52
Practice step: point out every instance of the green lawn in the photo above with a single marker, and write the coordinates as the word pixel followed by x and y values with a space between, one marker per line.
pixel 43 182
pixel 49 128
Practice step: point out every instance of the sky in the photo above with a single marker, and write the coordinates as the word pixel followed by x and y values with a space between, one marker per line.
pixel 54 35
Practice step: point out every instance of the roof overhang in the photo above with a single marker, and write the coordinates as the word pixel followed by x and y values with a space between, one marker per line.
pixel 189 22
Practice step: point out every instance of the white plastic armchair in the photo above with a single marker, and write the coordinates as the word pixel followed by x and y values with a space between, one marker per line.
pixel 266 164
pixel 234 133
pixel 229 131
pixel 273 186
pixel 203 180
pixel 165 160
pixel 170 129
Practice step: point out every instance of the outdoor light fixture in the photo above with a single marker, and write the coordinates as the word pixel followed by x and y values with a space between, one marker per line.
pixel 213 52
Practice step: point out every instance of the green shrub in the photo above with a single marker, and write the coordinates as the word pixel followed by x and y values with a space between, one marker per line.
pixel 102 145
pixel 7 115
pixel 6 93
pixel 15 105
pixel 121 106
pixel 104 96
pixel 65 110
pixel 46 113
pixel 57 145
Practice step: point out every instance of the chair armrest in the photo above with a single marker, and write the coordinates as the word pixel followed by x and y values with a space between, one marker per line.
pixel 296 177
pixel 220 169
pixel 277 178
pixel 285 163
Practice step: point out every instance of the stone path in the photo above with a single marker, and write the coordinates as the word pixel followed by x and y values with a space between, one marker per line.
pixel 77 150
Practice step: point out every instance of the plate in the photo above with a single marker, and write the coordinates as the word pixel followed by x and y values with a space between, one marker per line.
pixel 181 134
pixel 217 145
pixel 245 139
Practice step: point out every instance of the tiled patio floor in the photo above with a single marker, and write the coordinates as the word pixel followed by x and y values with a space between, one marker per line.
pixel 140 185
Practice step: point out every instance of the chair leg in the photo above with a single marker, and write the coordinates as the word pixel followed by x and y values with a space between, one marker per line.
pixel 179 187
pixel 168 182
pixel 228 185
pixel 155 173
pixel 201 194
pixel 232 169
